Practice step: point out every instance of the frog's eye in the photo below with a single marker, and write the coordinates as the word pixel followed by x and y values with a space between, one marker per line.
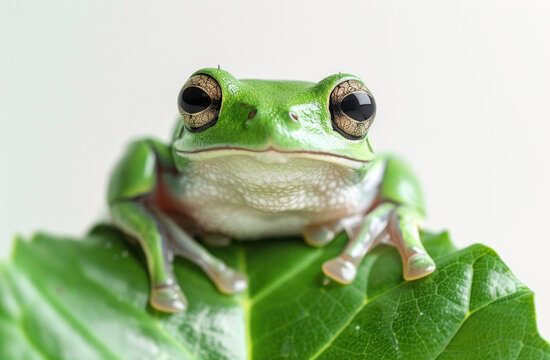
pixel 199 102
pixel 352 109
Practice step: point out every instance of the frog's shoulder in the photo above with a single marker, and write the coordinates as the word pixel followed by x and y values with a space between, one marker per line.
pixel 400 184
pixel 135 172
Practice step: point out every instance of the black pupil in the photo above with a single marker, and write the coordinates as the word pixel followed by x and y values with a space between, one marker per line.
pixel 358 106
pixel 194 100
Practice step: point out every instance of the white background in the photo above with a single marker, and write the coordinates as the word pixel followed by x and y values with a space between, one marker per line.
pixel 462 89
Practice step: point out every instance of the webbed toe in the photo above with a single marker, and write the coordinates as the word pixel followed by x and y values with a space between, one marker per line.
pixel 340 270
pixel 227 280
pixel 318 236
pixel 168 298
pixel 417 266
pixel 216 240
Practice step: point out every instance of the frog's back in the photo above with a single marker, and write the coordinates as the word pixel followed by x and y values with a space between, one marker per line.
pixel 401 185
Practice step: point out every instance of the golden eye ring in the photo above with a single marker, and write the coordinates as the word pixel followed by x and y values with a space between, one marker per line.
pixel 352 109
pixel 199 102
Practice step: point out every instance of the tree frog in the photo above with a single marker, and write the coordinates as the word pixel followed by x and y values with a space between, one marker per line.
pixel 253 159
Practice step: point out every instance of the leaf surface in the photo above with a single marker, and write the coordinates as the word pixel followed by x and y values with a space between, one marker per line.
pixel 63 298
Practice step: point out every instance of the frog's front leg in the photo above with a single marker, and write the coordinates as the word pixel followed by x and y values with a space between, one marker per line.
pixel 395 219
pixel 403 230
pixel 343 268
pixel 134 210
pixel 400 222
pixel 135 219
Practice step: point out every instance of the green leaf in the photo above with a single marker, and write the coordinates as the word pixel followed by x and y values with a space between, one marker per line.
pixel 88 299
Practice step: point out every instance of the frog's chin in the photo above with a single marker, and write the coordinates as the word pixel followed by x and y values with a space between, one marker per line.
pixel 272 155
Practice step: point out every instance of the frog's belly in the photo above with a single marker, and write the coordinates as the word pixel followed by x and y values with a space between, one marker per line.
pixel 246 199
pixel 272 213
pixel 245 223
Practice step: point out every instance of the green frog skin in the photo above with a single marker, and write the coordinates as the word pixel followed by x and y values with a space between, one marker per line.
pixel 253 159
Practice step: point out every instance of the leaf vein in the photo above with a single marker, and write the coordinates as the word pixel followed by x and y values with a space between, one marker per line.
pixel 246 302
pixel 314 255
pixel 359 309
pixel 469 314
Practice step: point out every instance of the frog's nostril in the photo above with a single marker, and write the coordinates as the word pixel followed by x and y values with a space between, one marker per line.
pixel 252 114
pixel 293 116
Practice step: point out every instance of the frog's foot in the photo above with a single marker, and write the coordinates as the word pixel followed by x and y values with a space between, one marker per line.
pixel 404 235
pixel 168 298
pixel 226 279
pixel 343 268
pixel 216 240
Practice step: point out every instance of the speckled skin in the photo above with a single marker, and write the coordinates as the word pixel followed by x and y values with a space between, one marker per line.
pixel 252 196
pixel 265 159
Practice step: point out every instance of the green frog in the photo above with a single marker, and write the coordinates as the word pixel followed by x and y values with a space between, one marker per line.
pixel 253 159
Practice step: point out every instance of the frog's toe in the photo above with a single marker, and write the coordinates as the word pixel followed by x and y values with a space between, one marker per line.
pixel 318 236
pixel 340 270
pixel 227 280
pixel 417 266
pixel 216 240
pixel 168 298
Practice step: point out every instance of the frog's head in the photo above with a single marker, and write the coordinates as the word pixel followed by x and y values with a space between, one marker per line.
pixel 274 121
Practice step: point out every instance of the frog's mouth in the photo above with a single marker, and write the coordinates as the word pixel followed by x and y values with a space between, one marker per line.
pixel 272 155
